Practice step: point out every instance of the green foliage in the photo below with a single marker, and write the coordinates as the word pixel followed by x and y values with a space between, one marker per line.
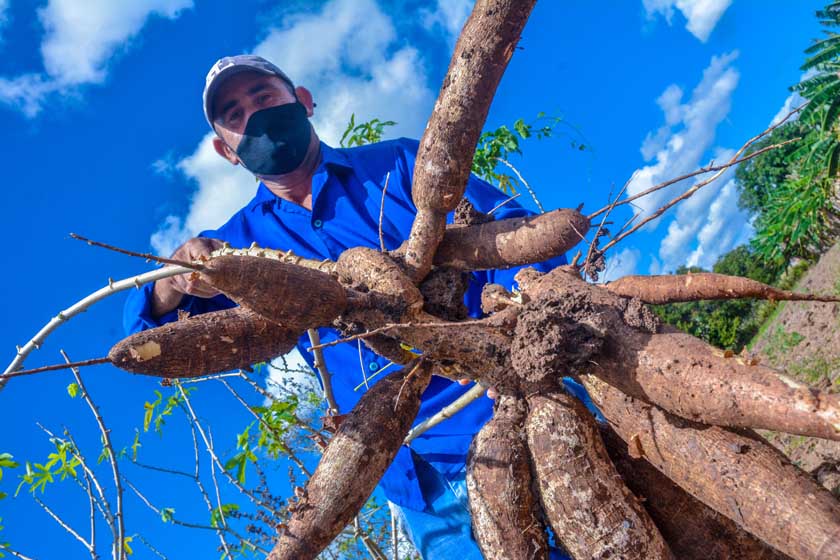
pixel 497 145
pixel 245 455
pixel 155 412
pixel 276 421
pixel 220 513
pixel 3 544
pixel 73 390
pixel 167 514
pixel 7 461
pixel 59 465
pixel 792 190
pixel 726 324
pixel 363 133
pixel 796 221
pixel 760 177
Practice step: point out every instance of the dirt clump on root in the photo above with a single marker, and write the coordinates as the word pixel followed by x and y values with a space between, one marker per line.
pixel 443 292
pixel 467 215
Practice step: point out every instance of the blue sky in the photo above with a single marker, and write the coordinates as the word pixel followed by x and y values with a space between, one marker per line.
pixel 103 135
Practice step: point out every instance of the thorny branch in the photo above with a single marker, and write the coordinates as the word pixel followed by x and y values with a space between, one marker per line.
pixel 321 364
pixel 112 458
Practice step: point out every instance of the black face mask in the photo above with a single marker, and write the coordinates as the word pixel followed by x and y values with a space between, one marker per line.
pixel 275 140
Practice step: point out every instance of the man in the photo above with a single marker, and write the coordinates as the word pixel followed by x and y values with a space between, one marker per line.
pixel 319 201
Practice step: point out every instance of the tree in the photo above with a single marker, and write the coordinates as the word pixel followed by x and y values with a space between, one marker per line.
pixel 793 191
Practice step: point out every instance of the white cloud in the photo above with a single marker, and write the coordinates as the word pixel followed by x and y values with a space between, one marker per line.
pixel 689 130
pixel 450 15
pixel 623 263
pixel 701 15
pixel 725 227
pixel 222 189
pixel 79 41
pixel 709 223
pixel 705 226
pixel 355 67
pixel 793 100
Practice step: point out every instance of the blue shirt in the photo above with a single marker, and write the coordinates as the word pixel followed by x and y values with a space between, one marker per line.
pixel 346 197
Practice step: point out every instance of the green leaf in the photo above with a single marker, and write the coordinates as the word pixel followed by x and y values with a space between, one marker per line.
pixel 167 514
pixel 219 513
pixel 73 390
pixel 126 545
pixel 7 461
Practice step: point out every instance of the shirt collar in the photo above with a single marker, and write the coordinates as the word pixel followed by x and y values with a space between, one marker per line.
pixel 330 157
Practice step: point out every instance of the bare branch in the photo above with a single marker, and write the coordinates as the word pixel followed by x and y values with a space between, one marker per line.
pixel 524 182
pixel 382 212
pixel 690 192
pixel 63 524
pixel 112 458
pixel 475 392
pixel 318 354
pixel 736 159
pixel 83 305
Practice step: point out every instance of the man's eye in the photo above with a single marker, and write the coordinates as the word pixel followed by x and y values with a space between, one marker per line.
pixel 263 99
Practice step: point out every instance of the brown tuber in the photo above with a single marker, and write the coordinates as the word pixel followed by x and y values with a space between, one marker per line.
pixel 590 509
pixel 736 474
pixel 356 458
pixel 503 507
pixel 511 242
pixel 678 372
pixel 484 48
pixel 208 343
pixel 290 295
pixel 693 530
pixel 696 286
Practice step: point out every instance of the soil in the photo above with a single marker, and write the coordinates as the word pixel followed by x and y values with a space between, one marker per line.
pixel 803 339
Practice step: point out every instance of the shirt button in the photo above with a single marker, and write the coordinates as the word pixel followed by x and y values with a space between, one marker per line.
pixel 373 366
pixel 317 223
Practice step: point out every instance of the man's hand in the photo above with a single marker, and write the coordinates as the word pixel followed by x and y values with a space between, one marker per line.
pixel 169 292
pixel 491 392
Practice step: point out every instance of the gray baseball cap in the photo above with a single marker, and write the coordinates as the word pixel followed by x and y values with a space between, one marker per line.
pixel 226 67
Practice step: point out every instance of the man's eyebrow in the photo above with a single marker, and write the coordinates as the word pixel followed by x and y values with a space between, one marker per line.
pixel 227 107
pixel 257 88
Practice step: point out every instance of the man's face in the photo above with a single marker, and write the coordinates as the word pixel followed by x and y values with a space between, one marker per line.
pixel 242 95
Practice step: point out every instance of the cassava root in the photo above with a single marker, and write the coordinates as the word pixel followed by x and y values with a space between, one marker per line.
pixel 503 507
pixel 357 456
pixel 735 473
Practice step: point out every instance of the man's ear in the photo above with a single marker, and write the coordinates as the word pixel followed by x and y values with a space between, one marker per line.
pixel 224 150
pixel 305 97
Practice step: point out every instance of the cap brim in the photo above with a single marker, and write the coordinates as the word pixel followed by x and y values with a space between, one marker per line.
pixel 221 78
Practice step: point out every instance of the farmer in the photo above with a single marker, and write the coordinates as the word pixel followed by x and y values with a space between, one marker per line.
pixel 319 201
